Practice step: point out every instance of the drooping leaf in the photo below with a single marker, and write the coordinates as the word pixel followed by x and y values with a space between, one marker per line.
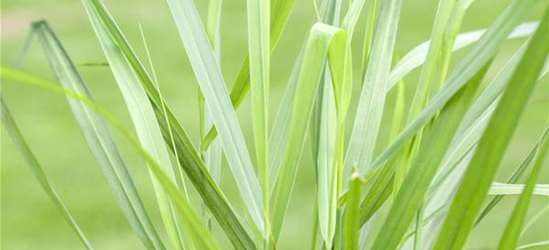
pixel 200 235
pixel 141 113
pixel 11 127
pixel 99 139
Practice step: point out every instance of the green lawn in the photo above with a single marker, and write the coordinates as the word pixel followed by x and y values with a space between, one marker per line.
pixel 30 221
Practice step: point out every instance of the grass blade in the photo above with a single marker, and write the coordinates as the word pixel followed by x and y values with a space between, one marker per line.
pixel 259 54
pixel 328 130
pixel 369 29
pixel 142 114
pixel 515 176
pixel 99 139
pixel 12 129
pixel 458 156
pixel 437 140
pixel 479 55
pixel 433 73
pixel 217 99
pixel 494 142
pixel 426 79
pixel 321 37
pixel 372 98
pixel 534 245
pixel 499 188
pixel 512 231
pixel 471 129
pixel 279 134
pixel 193 225
pixel 279 15
pixel 326 127
pixel 187 155
pixel 532 220
pixel 351 228
pixel 213 155
pixel 438 208
pixel 417 56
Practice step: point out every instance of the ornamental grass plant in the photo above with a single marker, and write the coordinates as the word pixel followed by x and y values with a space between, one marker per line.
pixel 395 167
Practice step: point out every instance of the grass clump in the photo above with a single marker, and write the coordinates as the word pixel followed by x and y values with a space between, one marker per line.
pixel 433 178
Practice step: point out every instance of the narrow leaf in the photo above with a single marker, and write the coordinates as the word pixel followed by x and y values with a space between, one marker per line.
pixel 351 228
pixel 437 140
pixel 11 127
pixel 202 238
pixel 99 139
pixel 511 235
pixel 217 99
pixel 320 39
pixel 187 155
pixel 492 146
pixel 372 97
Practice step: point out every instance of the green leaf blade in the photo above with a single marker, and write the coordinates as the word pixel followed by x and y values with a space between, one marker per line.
pixel 494 142
pixel 9 124
pixel 437 140
pixel 99 139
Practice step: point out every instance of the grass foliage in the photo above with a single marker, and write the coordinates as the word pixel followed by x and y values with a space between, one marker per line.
pixel 434 179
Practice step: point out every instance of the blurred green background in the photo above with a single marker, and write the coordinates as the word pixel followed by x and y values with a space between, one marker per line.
pixel 30 221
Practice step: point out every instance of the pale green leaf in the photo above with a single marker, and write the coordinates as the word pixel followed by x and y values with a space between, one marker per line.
pixel 259 54
pixel 142 114
pixel 279 15
pixel 499 188
pixel 417 56
pixel 372 97
pixel 320 39
pixel 535 245
pixel 187 155
pixel 216 96
pixel 99 139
